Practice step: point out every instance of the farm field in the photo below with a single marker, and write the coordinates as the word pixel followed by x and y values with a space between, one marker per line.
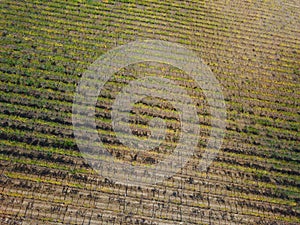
pixel 253 49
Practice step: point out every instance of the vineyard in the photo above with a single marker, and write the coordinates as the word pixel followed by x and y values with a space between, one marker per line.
pixel 253 49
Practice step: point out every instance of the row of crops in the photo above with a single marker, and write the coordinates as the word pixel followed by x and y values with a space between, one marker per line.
pixel 47 46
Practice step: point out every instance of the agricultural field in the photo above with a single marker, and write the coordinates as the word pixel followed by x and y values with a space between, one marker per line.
pixel 251 46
